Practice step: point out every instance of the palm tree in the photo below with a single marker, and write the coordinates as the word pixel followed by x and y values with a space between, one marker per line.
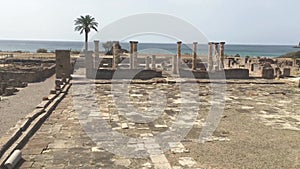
pixel 86 24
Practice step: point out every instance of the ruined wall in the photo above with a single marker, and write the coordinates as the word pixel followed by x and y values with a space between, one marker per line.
pixel 127 74
pixel 229 74
pixel 29 77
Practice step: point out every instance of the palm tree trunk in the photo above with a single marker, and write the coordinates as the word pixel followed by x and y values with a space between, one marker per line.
pixel 86 40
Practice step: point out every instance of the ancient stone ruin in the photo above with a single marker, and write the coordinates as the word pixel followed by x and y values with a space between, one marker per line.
pixel 133 65
pixel 17 73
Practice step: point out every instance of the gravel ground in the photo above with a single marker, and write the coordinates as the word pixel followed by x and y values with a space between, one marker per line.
pixel 16 107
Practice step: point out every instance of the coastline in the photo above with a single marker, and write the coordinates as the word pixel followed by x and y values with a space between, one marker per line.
pixel 252 50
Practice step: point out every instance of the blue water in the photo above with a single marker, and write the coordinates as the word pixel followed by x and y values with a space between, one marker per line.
pixel 32 46
pixel 149 48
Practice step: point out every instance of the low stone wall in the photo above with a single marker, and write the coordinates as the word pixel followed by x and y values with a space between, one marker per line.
pixel 126 74
pixel 228 73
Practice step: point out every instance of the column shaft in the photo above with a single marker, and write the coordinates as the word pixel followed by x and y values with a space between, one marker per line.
pixel 89 64
pixel 131 55
pixel 147 62
pixel 216 51
pixel 210 58
pixel 153 62
pixel 178 60
pixel 135 56
pixel 222 51
pixel 194 55
pixel 175 64
pixel 96 51
pixel 115 56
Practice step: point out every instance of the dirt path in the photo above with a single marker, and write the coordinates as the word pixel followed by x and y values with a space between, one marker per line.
pixel 16 107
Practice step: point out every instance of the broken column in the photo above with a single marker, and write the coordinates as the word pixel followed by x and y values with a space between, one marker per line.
pixel 115 56
pixel 216 52
pixel 178 60
pixel 89 64
pixel 194 55
pixel 96 52
pixel 175 64
pixel 147 62
pixel 153 62
pixel 210 58
pixel 222 50
pixel 63 64
pixel 131 54
pixel 135 55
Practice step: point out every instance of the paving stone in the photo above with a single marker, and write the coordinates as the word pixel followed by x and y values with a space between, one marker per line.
pixel 124 126
pixel 160 126
pixel 187 162
pixel 177 147
pixel 65 143
pixel 122 162
pixel 247 107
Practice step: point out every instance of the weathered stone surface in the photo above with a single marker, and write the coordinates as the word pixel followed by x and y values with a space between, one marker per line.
pixel 268 73
pixel 187 162
pixel 266 116
pixel 63 63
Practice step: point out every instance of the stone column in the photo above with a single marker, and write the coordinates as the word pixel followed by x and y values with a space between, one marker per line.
pixel 131 54
pixel 194 55
pixel 210 58
pixel 147 62
pixel 89 65
pixel 216 51
pixel 96 50
pixel 63 64
pixel 135 56
pixel 115 55
pixel 222 50
pixel 153 64
pixel 175 64
pixel 178 60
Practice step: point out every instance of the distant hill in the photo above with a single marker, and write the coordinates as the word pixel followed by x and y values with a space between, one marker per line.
pixel 291 55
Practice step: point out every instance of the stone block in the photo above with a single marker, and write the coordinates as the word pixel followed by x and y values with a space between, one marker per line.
pixel 10 91
pixel 63 63
pixel 286 72
pixel 268 73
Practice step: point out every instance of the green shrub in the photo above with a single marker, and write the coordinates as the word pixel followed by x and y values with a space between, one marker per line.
pixel 17 51
pixel 41 50
pixel 76 52
pixel 291 55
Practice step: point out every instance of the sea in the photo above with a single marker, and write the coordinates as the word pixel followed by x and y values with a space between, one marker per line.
pixel 149 48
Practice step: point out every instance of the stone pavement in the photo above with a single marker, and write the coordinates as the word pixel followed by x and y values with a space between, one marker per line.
pixel 153 126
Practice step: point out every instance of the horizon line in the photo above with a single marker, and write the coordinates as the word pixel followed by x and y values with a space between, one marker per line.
pixel 234 43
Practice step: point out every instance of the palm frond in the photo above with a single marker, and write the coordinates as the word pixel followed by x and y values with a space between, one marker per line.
pixel 85 24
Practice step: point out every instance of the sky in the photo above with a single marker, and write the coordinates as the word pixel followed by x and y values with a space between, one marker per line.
pixel 233 21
